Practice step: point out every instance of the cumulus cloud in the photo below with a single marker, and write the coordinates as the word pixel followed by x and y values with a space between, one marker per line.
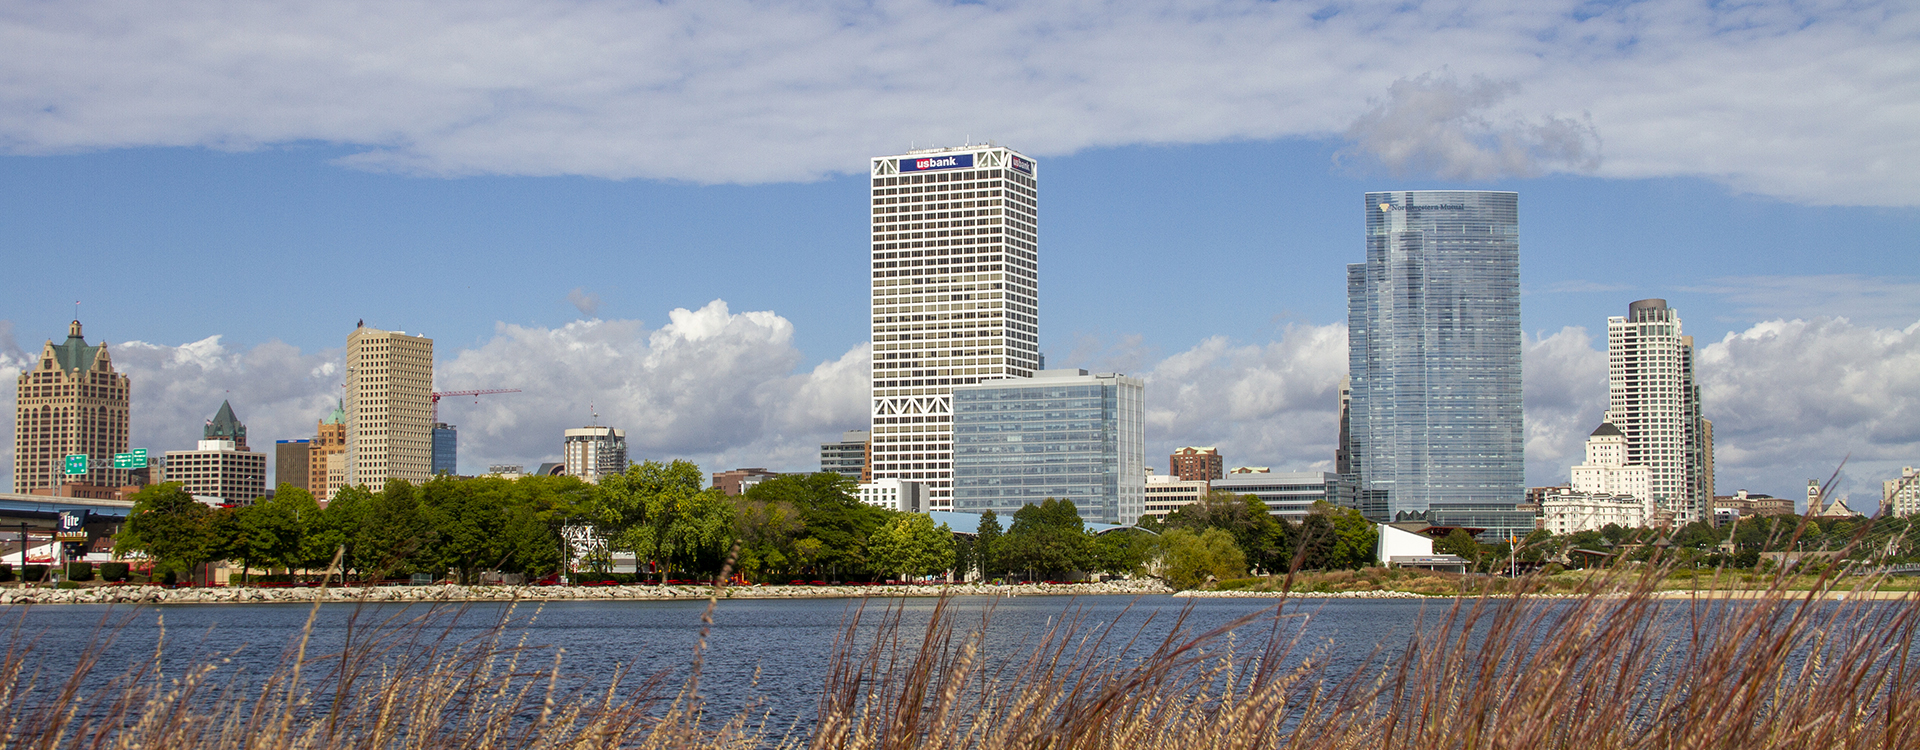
pixel 1791 399
pixel 1564 390
pixel 1436 125
pixel 714 386
pixel 586 302
pixel 1811 103
pixel 1274 404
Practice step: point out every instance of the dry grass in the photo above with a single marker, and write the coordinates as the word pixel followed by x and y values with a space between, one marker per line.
pixel 1618 671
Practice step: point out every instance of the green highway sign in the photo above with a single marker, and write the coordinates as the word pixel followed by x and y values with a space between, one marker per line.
pixel 77 464
pixel 128 461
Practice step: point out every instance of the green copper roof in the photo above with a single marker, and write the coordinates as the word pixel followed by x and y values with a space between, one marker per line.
pixel 339 415
pixel 225 426
pixel 75 353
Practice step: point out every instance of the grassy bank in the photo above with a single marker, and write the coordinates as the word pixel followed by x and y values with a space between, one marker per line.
pixel 1621 670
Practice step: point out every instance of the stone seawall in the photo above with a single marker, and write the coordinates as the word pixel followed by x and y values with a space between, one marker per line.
pixel 1197 594
pixel 449 593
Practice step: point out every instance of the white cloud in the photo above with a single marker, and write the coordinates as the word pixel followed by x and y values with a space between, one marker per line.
pixel 1275 404
pixel 717 387
pixel 1564 385
pixel 1435 125
pixel 1811 102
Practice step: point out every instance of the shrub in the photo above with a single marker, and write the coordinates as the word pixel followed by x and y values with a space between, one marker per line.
pixel 35 574
pixel 67 585
pixel 6 572
pixel 114 571
pixel 169 577
pixel 623 578
pixel 79 570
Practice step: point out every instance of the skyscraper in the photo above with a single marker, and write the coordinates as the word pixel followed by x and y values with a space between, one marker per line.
pixel 389 412
pixel 594 452
pixel 954 297
pixel 221 466
pixel 71 402
pixel 1653 398
pixel 327 456
pixel 446 449
pixel 1433 347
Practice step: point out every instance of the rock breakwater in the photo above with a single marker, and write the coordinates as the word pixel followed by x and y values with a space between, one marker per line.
pixel 129 594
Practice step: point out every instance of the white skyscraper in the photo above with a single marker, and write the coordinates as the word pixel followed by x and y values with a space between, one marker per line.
pixel 1653 398
pixel 955 297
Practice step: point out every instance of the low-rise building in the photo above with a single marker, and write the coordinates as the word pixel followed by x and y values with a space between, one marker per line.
pixel 1606 471
pixel 1291 494
pixel 740 480
pixel 902 495
pixel 1744 503
pixel 1570 512
pixel 848 458
pixel 1201 463
pixel 1167 493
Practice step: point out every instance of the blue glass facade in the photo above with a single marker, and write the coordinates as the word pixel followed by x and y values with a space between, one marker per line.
pixel 1433 327
pixel 1072 437
pixel 446 449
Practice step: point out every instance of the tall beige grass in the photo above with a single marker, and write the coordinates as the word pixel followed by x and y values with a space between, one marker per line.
pixel 1623 670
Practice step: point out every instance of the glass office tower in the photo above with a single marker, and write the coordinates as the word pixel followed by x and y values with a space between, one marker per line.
pixel 1433 337
pixel 1060 434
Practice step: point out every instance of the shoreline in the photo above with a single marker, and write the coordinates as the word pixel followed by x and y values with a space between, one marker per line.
pixel 456 594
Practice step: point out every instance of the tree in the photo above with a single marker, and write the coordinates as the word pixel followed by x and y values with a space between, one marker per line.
pixel 1123 552
pixel 1048 538
pixel 345 522
pixel 766 530
pixel 1355 539
pixel 636 511
pixel 838 524
pixel 397 533
pixel 987 545
pixel 911 545
pixel 1191 558
pixel 1458 542
pixel 1265 541
pixel 170 527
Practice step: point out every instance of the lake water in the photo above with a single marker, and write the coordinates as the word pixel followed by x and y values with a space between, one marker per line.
pixel 772 652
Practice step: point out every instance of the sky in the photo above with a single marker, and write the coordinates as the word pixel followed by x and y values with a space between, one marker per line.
pixel 656 211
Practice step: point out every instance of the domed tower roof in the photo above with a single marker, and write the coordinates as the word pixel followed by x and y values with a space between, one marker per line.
pixel 1607 429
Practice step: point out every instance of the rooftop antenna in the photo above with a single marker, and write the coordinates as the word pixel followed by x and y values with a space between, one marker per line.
pixel 595 413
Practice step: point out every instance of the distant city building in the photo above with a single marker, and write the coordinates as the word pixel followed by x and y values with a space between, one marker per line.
pixel 1166 493
pixel 739 481
pixel 1654 400
pixel 220 467
pixel 1343 450
pixel 1823 508
pixel 955 297
pixel 70 402
pixel 1901 497
pixel 1537 494
pixel 848 458
pixel 327 456
pixel 1744 503
pixel 292 461
pixel 225 426
pixel 1291 494
pixel 446 449
pixel 1433 347
pixel 1196 462
pixel 1061 434
pixel 1497 522
pixel 1251 470
pixel 1574 511
pixel 1606 472
pixel 595 452
pixel 893 494
pixel 389 410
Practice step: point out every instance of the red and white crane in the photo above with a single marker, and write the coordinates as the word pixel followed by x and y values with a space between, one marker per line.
pixel 435 397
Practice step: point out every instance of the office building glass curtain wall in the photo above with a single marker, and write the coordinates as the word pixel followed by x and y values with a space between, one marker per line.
pixel 1078 437
pixel 1434 352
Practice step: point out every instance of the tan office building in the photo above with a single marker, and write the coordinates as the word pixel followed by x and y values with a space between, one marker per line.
pixel 71 402
pixel 388 408
pixel 327 456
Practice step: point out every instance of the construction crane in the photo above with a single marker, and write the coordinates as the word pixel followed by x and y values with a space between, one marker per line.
pixel 435 397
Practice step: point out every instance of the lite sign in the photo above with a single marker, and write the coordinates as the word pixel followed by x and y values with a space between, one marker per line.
pixel 930 163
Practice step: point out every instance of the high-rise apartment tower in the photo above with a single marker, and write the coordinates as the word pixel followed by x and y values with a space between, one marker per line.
pixel 955 297
pixel 594 452
pixel 1653 397
pixel 389 411
pixel 1433 347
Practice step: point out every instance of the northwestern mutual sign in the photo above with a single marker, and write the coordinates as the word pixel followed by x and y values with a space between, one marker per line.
pixel 956 161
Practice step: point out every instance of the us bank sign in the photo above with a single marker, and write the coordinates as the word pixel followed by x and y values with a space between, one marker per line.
pixel 930 163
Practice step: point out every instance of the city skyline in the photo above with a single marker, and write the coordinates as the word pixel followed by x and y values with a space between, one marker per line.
pixel 1194 202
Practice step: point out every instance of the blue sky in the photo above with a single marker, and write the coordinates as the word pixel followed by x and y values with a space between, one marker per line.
pixel 539 187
